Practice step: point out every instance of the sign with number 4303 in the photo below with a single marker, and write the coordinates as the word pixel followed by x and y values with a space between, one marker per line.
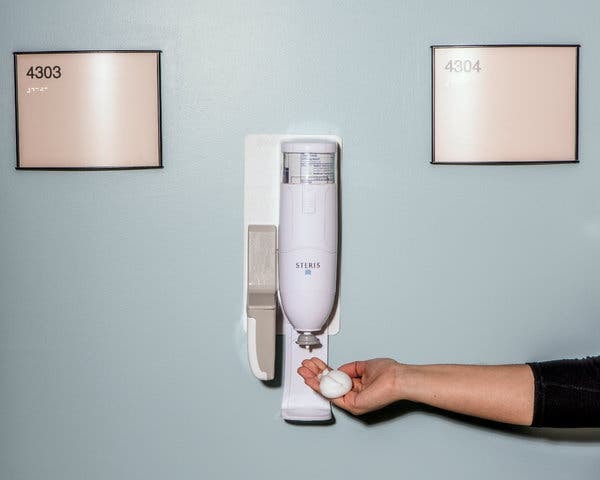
pixel 88 110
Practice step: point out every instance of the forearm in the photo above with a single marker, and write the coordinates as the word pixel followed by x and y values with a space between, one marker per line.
pixel 504 393
pixel 562 393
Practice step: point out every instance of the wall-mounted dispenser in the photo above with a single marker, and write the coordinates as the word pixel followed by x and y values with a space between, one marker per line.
pixel 291 259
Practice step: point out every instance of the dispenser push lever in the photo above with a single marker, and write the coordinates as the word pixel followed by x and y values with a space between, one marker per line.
pixel 262 299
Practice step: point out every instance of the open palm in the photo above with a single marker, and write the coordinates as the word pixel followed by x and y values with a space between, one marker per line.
pixel 374 383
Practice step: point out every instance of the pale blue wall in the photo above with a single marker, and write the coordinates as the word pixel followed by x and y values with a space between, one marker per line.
pixel 121 350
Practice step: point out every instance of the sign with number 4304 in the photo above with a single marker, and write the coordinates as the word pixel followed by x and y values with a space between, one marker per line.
pixel 505 104
pixel 466 66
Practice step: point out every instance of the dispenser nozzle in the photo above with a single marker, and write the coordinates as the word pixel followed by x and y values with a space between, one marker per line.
pixel 308 340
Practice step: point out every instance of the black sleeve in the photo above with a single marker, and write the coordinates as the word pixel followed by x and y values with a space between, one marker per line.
pixel 567 393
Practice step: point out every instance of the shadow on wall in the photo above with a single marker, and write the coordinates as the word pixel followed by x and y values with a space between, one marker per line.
pixel 573 435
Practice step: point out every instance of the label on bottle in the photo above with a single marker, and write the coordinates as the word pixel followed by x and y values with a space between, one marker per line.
pixel 317 168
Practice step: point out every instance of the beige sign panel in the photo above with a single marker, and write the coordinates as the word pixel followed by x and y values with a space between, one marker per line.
pixel 88 110
pixel 505 104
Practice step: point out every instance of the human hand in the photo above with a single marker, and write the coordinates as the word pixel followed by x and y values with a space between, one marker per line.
pixel 375 383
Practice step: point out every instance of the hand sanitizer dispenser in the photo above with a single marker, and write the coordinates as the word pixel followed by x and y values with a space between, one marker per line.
pixel 291 260
pixel 308 236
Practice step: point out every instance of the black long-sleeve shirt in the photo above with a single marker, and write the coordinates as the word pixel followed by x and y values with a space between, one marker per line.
pixel 567 393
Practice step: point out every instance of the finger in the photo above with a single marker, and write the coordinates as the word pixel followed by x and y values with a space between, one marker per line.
pixel 313 383
pixel 311 366
pixel 354 369
pixel 306 373
pixel 320 363
pixel 309 378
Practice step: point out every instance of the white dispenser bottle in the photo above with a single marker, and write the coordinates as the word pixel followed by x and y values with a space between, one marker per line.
pixel 308 236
